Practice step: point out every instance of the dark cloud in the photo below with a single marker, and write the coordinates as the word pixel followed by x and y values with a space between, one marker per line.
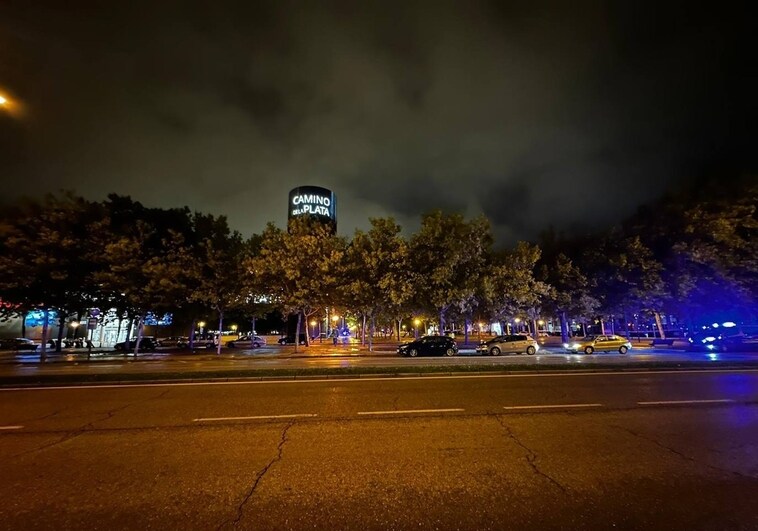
pixel 565 114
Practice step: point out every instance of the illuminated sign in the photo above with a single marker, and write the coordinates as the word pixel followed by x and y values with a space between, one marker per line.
pixel 315 202
pixel 311 204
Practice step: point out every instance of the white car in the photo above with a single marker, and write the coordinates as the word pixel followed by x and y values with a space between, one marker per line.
pixel 247 342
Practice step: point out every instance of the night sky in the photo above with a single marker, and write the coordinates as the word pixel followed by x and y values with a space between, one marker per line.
pixel 568 113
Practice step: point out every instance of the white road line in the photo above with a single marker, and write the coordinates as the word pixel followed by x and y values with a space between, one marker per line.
pixel 10 427
pixel 552 406
pixel 675 402
pixel 385 379
pixel 257 417
pixel 398 412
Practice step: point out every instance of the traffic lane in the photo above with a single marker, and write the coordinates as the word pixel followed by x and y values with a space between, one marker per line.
pixel 593 469
pixel 144 406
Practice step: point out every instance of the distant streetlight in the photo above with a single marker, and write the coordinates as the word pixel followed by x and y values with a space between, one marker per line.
pixel 234 328
pixel 313 328
pixel 416 322
pixel 72 324
pixel 3 101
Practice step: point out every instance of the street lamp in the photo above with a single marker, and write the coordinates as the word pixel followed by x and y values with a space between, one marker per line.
pixel 234 328
pixel 517 321
pixel 72 324
pixel 313 328
pixel 201 324
pixel 416 322
pixel 3 101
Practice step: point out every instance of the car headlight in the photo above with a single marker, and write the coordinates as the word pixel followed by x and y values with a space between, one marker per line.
pixel 565 345
pixel 575 346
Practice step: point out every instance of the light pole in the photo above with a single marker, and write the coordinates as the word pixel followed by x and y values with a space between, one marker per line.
pixel 73 324
pixel 416 323
pixel 234 329
pixel 201 324
pixel 313 327
pixel 517 327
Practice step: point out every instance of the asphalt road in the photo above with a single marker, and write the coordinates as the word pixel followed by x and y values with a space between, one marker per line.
pixel 559 451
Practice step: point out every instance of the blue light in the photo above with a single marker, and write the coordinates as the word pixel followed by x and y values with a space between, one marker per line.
pixel 728 324
pixel 715 325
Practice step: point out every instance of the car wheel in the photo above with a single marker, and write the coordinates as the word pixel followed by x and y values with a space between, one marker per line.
pixel 531 350
pixel 623 349
pixel 494 351
pixel 413 353
pixel 589 350
pixel 449 352
pixel 256 345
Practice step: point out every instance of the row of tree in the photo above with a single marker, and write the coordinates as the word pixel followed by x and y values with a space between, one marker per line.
pixel 689 255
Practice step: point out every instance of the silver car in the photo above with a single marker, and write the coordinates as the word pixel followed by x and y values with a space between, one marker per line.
pixel 510 344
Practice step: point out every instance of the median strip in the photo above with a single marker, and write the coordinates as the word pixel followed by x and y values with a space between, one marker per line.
pixel 400 412
pixel 551 406
pixel 256 417
pixel 679 402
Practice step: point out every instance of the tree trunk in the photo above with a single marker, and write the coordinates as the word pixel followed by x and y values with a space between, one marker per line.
pixel 140 324
pixel 43 348
pixel 191 342
pixel 564 327
pixel 220 331
pixel 297 331
pixel 252 331
pixel 465 331
pixel 371 335
pixel 59 346
pixel 626 324
pixel 442 323
pixel 363 331
pixel 399 323
pixel 128 337
pixel 602 327
pixel 118 330
pixel 23 325
pixel 659 324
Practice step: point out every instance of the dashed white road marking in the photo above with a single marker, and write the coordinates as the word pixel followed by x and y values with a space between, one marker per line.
pixel 677 402
pixel 551 406
pixel 256 417
pixel 403 411
pixel 11 427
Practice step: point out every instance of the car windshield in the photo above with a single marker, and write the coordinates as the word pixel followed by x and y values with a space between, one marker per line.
pixel 589 338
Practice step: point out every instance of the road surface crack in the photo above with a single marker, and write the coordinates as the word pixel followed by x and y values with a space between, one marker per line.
pixel 531 456
pixel 259 476
pixel 680 454
pixel 86 427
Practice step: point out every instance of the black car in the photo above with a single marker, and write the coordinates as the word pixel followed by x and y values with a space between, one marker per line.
pixel 290 340
pixel 18 344
pixel 429 346
pixel 147 343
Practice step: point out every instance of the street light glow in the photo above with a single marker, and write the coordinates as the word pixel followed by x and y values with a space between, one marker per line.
pixel 3 101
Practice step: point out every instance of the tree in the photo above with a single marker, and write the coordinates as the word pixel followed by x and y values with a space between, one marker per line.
pixel 510 289
pixel 299 268
pixel 374 267
pixel 220 255
pixel 447 258
pixel 146 264
pixel 44 250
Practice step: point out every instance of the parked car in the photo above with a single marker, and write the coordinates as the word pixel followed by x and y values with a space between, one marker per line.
pixel 607 343
pixel 198 343
pixel 509 344
pixel 172 341
pixel 19 343
pixel 147 343
pixel 714 342
pixel 247 341
pixel 429 346
pixel 290 340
